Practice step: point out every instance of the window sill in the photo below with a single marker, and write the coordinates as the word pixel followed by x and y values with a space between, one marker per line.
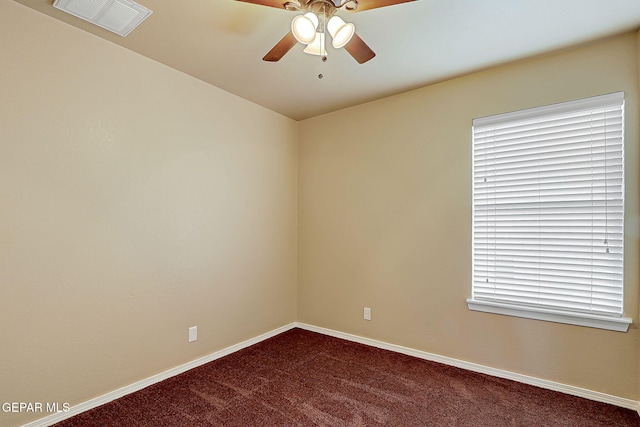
pixel 620 324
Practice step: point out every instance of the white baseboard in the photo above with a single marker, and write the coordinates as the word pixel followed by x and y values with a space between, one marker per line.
pixel 112 395
pixel 538 382
pixel 550 385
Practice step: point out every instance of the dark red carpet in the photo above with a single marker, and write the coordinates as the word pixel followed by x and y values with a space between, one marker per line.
pixel 301 378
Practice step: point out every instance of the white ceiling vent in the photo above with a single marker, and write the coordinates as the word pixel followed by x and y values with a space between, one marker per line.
pixel 119 16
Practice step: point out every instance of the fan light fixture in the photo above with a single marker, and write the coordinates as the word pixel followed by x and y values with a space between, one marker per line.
pixel 316 47
pixel 307 29
pixel 316 18
pixel 304 27
pixel 340 31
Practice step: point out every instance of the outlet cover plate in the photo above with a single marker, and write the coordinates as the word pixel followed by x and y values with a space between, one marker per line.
pixel 193 333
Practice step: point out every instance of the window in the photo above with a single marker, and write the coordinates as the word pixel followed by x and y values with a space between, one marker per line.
pixel 548 213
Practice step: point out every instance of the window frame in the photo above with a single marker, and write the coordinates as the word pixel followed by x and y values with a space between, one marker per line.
pixel 567 316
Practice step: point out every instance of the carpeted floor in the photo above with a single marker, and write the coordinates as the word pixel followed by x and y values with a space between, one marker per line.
pixel 301 378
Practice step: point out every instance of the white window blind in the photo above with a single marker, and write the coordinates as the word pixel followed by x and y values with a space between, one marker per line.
pixel 548 212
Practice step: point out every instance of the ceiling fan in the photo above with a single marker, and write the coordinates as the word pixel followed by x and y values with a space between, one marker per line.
pixel 316 19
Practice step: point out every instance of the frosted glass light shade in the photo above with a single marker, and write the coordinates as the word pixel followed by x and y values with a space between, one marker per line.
pixel 340 31
pixel 317 46
pixel 304 27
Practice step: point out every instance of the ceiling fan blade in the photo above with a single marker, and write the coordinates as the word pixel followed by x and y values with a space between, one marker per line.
pixel 271 3
pixel 359 50
pixel 281 48
pixel 374 4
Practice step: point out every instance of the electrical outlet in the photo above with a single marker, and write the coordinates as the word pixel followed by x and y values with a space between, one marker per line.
pixel 367 313
pixel 193 333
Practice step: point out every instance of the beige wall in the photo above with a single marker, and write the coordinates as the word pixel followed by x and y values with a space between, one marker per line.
pixel 135 201
pixel 385 221
pixel 637 227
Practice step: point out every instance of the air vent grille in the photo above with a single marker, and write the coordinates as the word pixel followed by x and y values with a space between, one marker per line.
pixel 119 16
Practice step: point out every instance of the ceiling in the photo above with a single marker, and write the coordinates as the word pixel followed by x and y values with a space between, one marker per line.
pixel 222 42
